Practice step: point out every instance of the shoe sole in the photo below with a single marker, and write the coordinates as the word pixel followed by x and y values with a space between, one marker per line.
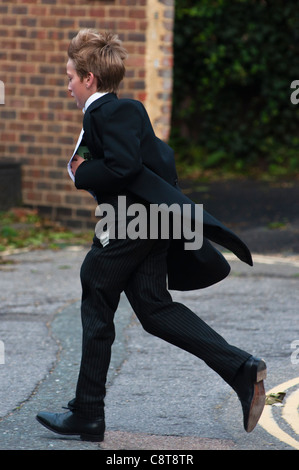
pixel 88 437
pixel 259 397
pixel 83 437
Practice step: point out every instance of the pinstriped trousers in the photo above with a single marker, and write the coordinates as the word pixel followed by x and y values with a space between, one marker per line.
pixel 138 268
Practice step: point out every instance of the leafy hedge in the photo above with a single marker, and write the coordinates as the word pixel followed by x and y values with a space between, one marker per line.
pixel 234 62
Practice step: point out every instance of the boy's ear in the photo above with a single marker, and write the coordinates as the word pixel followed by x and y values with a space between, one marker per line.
pixel 90 80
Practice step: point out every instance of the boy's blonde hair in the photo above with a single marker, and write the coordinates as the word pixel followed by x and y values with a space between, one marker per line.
pixel 101 54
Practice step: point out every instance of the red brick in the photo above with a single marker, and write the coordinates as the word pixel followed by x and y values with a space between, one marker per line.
pixel 54 198
pixel 78 12
pixel 19 10
pixel 40 122
pixel 137 13
pixel 130 25
pixel 8 20
pixel 97 12
pixel 37 11
pixel 33 196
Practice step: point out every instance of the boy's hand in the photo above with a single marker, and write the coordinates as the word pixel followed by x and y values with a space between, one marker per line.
pixel 76 161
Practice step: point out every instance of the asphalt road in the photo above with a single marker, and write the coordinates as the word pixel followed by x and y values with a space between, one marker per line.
pixel 159 397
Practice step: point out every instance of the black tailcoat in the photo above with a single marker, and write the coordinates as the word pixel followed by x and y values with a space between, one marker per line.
pixel 127 156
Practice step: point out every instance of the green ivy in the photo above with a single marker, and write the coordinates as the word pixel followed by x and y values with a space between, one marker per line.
pixel 234 62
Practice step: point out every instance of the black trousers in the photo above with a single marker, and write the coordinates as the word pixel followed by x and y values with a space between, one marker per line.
pixel 138 268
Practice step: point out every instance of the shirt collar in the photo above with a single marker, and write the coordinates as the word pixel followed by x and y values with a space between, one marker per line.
pixel 92 98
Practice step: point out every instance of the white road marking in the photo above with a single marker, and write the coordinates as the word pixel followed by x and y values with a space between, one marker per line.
pixel 290 411
pixel 290 414
pixel 267 259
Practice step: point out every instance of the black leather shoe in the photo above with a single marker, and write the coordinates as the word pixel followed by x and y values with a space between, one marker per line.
pixel 249 386
pixel 70 424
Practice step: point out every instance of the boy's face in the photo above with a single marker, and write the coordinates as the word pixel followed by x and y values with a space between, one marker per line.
pixel 78 88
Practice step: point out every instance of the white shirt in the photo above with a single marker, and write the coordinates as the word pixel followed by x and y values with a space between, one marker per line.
pixel 88 102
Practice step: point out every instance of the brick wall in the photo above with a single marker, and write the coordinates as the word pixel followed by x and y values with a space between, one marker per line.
pixel 39 122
